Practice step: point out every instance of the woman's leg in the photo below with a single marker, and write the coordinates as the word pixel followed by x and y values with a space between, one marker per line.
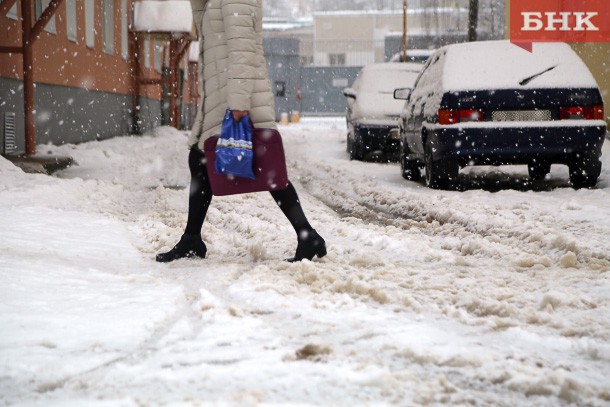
pixel 310 243
pixel 200 197
pixel 288 201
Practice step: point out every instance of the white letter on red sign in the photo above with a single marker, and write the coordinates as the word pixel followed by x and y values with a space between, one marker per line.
pixel 563 20
pixel 532 21
pixel 580 22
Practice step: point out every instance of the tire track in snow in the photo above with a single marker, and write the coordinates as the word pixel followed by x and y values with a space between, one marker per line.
pixel 541 244
pixel 502 296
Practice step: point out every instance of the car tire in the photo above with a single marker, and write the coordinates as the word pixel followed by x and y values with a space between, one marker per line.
pixel 440 174
pixel 538 170
pixel 349 145
pixel 352 149
pixel 584 171
pixel 409 168
pixel 355 149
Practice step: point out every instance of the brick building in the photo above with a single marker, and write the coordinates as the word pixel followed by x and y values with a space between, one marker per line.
pixel 85 87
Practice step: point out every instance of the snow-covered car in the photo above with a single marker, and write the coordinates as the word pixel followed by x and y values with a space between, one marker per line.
pixel 413 55
pixel 493 103
pixel 372 111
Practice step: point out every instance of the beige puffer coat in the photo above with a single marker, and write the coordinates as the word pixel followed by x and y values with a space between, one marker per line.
pixel 232 67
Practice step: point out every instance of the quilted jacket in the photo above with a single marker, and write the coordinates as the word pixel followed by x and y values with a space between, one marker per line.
pixel 232 67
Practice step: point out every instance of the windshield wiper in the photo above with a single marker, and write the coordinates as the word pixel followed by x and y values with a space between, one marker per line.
pixel 531 78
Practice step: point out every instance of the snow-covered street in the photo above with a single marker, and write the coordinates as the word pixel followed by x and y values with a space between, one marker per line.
pixel 497 294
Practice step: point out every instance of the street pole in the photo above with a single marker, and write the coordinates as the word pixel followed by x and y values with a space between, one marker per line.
pixel 28 77
pixel 29 34
pixel 473 20
pixel 404 31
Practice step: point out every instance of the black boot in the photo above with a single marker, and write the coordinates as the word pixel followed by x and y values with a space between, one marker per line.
pixel 188 246
pixel 309 246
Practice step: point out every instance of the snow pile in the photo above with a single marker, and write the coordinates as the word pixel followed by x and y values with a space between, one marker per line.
pixel 194 51
pixel 425 297
pixel 163 16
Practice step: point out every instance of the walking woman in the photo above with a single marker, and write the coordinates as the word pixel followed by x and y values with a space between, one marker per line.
pixel 233 75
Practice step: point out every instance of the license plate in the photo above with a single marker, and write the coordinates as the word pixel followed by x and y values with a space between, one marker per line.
pixel 521 115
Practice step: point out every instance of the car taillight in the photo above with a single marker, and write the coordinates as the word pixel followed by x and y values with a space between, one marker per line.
pixel 582 113
pixel 452 116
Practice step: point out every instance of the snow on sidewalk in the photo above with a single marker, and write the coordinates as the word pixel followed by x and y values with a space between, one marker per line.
pixel 69 298
pixel 438 297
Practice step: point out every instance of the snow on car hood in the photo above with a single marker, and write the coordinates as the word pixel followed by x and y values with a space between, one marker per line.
pixel 502 65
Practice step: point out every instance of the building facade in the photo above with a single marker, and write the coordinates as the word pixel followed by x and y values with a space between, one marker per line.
pixel 359 38
pixel 83 76
pixel 334 46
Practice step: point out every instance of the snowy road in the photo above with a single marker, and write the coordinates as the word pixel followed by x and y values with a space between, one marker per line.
pixel 494 295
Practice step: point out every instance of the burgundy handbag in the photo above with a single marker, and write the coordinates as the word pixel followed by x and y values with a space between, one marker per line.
pixel 269 166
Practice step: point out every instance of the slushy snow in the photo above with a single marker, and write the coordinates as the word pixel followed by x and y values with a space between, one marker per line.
pixel 496 295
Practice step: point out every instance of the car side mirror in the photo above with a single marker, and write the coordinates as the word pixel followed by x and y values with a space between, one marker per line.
pixel 402 93
pixel 349 93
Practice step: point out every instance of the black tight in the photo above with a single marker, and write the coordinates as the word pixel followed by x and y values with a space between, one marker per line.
pixel 201 196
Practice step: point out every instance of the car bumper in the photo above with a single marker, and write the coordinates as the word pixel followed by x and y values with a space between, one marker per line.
pixel 377 137
pixel 493 144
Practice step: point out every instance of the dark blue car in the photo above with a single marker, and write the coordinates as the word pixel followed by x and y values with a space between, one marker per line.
pixel 492 103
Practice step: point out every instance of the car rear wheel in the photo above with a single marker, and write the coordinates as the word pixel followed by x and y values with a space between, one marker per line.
pixel 354 149
pixel 409 168
pixel 584 171
pixel 538 170
pixel 440 174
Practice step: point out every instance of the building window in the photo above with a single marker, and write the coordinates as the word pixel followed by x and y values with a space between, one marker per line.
pixel 280 89
pixel 108 25
pixel 306 60
pixel 157 55
pixel 336 59
pixel 124 33
pixel 71 20
pixel 39 7
pixel 12 13
pixel 147 54
pixel 90 23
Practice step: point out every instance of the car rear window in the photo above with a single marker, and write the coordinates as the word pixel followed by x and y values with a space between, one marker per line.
pixel 387 80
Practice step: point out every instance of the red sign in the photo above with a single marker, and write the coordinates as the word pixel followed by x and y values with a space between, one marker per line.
pixel 559 21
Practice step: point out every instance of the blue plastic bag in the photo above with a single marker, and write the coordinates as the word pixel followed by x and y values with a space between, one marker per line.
pixel 234 155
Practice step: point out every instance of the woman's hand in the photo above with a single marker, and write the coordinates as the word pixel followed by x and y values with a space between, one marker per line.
pixel 239 114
